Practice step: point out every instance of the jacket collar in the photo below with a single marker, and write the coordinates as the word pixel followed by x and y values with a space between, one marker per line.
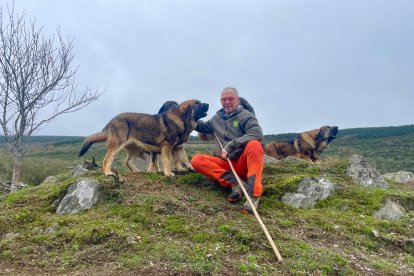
pixel 225 116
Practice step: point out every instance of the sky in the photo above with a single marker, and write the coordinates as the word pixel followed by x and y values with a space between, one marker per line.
pixel 301 64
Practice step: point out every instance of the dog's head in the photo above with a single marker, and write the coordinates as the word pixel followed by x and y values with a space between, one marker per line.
pixel 167 106
pixel 327 133
pixel 193 109
pixel 246 105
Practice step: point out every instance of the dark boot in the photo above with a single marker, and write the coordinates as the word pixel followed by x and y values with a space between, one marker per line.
pixel 236 194
pixel 246 209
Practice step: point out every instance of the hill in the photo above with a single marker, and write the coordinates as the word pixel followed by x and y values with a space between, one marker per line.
pixel 390 149
pixel 153 225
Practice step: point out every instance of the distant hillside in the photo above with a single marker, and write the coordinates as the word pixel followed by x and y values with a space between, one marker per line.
pixel 390 148
pixel 53 140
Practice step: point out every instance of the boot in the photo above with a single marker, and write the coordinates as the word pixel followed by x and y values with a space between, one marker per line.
pixel 236 194
pixel 246 209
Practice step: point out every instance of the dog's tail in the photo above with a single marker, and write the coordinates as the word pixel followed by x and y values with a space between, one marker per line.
pixel 94 138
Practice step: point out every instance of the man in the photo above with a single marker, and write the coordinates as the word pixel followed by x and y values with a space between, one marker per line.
pixel 240 134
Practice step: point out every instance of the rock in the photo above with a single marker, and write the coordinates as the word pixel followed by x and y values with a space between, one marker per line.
pixel 131 240
pixel 50 179
pixel 364 173
pixel 390 211
pixel 297 200
pixel 316 189
pixel 37 230
pixel 78 170
pixel 10 236
pixel 22 185
pixel 309 192
pixel 400 177
pixel 270 160
pixel 375 233
pixel 293 159
pixel 80 196
pixel 52 229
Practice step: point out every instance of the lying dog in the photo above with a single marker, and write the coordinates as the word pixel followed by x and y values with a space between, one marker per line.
pixel 308 145
pixel 160 133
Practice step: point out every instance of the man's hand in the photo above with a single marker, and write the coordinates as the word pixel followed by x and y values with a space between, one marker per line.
pixel 224 154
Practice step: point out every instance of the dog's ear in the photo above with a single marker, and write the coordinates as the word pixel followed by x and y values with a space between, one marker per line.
pixel 321 135
pixel 167 106
pixel 187 110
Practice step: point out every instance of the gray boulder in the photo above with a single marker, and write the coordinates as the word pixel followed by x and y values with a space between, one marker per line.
pixel 364 173
pixel 390 211
pixel 293 159
pixel 78 170
pixel 50 179
pixel 309 192
pixel 80 196
pixel 298 200
pixel 400 177
pixel 270 160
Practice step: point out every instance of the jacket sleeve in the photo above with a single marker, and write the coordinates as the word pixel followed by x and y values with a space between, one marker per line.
pixel 204 127
pixel 252 130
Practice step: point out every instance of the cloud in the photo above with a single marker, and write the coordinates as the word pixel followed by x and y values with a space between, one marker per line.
pixel 301 64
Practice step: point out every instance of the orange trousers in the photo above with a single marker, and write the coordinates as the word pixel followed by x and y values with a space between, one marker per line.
pixel 249 167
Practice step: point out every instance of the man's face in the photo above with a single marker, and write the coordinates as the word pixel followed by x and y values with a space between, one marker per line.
pixel 229 100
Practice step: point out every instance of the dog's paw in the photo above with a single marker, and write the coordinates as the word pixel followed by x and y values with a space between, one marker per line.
pixel 180 168
pixel 189 166
pixel 170 174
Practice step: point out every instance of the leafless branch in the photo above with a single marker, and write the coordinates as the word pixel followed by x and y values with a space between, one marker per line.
pixel 37 78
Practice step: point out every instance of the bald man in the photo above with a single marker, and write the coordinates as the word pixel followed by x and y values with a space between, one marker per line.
pixel 240 134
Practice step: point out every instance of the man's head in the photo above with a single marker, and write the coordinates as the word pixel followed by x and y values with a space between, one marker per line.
pixel 229 99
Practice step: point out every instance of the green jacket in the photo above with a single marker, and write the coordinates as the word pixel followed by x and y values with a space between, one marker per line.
pixel 233 131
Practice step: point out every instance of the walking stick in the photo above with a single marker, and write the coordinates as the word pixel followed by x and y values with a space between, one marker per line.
pixel 269 238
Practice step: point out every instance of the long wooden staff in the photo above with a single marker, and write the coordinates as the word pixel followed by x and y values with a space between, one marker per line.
pixel 269 238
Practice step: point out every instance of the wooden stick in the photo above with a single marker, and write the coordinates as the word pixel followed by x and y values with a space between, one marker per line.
pixel 269 238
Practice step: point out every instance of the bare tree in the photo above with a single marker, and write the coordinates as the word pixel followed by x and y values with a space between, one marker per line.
pixel 37 82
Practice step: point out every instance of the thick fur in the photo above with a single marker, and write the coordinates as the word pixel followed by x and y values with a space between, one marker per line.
pixel 209 137
pixel 308 145
pixel 160 133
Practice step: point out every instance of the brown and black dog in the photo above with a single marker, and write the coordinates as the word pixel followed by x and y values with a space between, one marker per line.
pixel 159 133
pixel 308 145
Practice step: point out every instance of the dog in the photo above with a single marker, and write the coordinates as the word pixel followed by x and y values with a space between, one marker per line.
pixel 153 156
pixel 307 146
pixel 243 102
pixel 160 133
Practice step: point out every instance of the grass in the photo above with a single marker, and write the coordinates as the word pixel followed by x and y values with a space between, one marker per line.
pixel 157 225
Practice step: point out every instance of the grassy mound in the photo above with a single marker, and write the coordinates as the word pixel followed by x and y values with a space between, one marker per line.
pixel 183 225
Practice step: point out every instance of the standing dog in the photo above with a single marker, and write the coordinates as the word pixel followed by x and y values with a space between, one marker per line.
pixel 308 145
pixel 159 133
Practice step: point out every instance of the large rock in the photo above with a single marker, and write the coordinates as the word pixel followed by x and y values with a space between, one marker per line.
pixel 400 177
pixel 364 173
pixel 78 170
pixel 80 196
pixel 390 211
pixel 298 200
pixel 309 192
pixel 270 160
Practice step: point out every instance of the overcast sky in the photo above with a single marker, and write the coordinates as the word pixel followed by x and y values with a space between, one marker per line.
pixel 301 64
